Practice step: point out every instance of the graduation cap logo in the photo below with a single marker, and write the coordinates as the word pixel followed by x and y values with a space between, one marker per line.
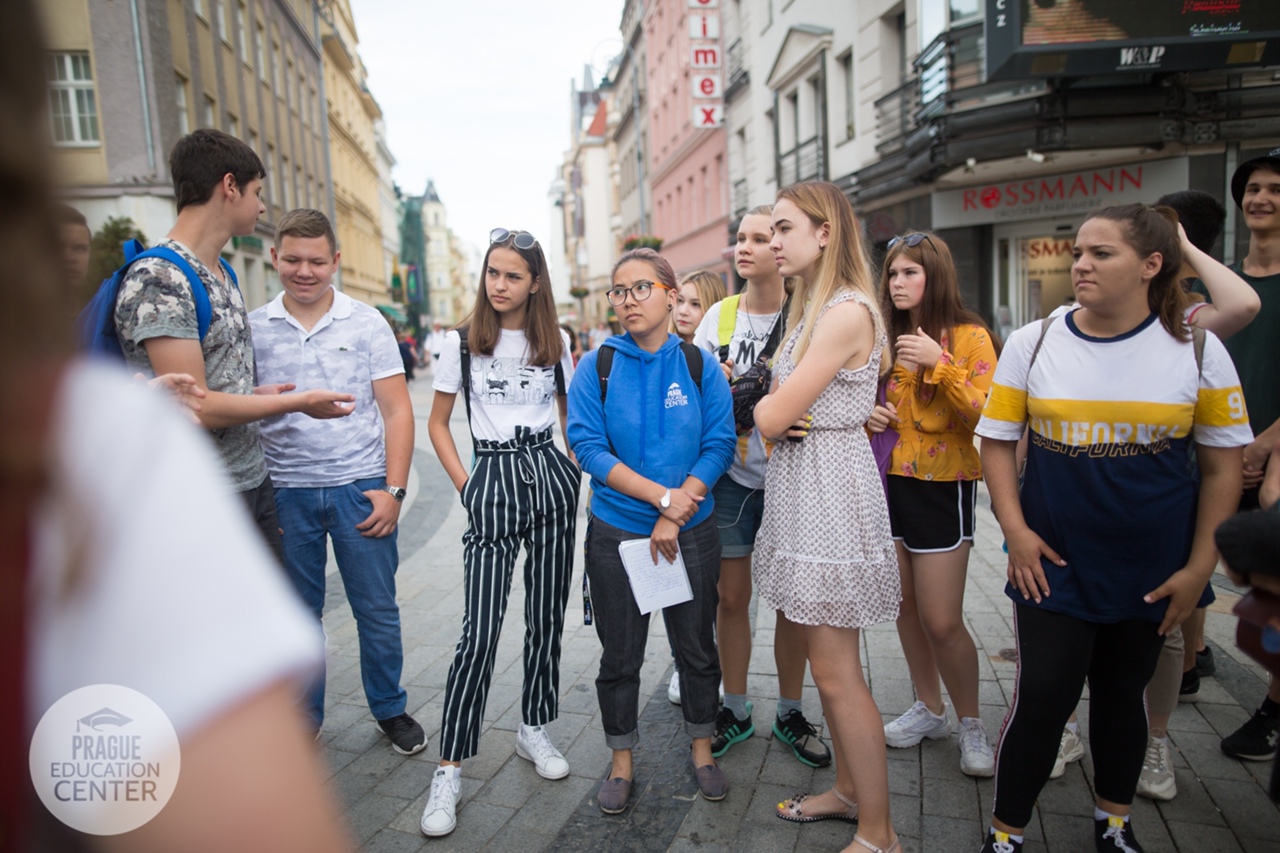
pixel 103 717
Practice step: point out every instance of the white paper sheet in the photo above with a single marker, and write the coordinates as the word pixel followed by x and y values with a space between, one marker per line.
pixel 654 586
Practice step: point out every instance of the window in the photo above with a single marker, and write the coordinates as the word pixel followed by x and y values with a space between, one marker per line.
pixel 273 179
pixel 288 83
pixel 301 185
pixel 962 10
pixel 233 125
pixel 242 32
pixel 275 65
pixel 303 101
pixel 198 6
pixel 286 197
pixel 72 105
pixel 184 115
pixel 209 119
pixel 253 142
pixel 220 17
pixel 850 94
pixel 260 52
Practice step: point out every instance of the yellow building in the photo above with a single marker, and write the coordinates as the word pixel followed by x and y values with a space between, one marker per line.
pixel 353 157
pixel 124 92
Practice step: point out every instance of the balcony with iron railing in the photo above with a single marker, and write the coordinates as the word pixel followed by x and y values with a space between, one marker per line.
pixel 736 76
pixel 805 162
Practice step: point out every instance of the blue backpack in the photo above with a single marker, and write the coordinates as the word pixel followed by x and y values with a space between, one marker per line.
pixel 97 321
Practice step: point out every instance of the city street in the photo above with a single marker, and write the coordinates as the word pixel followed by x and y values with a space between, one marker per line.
pixel 1221 805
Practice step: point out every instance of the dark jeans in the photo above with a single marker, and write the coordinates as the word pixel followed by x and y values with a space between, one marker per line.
pixel 261 503
pixel 623 632
pixel 1056 654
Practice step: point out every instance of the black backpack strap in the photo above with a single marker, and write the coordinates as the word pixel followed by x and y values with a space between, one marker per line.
pixel 604 364
pixel 464 352
pixel 693 358
pixel 560 391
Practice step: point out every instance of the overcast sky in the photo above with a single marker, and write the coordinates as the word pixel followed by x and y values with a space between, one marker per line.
pixel 476 96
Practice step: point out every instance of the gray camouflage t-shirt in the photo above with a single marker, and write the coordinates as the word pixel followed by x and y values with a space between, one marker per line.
pixel 155 301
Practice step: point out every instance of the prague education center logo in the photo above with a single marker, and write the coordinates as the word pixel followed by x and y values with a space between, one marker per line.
pixel 104 759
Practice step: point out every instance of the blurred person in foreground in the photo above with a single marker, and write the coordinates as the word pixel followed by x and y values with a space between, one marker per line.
pixel 103 487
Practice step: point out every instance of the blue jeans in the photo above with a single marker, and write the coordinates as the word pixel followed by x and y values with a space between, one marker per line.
pixel 368 568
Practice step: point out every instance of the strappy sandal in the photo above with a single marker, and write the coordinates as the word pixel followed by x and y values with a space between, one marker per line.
pixel 895 847
pixel 793 810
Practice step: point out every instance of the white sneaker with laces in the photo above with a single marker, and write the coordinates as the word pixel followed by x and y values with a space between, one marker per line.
pixel 1070 749
pixel 976 756
pixel 917 724
pixel 534 744
pixel 673 689
pixel 1157 781
pixel 441 814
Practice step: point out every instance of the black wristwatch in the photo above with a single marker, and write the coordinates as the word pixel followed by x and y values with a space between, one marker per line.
pixel 395 492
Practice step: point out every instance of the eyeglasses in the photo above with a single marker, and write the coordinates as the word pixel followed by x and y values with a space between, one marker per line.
pixel 641 290
pixel 523 239
pixel 912 240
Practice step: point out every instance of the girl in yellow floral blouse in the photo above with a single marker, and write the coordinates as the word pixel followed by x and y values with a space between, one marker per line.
pixel 944 357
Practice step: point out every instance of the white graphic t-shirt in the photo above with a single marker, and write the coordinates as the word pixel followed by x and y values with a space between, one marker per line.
pixel 750 334
pixel 506 391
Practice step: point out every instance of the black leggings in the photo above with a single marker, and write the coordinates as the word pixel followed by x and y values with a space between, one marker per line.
pixel 1056 653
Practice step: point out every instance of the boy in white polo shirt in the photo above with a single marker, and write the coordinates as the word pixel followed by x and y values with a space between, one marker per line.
pixel 340 479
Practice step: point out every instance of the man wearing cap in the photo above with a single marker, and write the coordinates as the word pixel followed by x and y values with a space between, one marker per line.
pixel 1255 186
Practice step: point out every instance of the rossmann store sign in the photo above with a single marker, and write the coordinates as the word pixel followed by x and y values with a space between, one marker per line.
pixel 1061 196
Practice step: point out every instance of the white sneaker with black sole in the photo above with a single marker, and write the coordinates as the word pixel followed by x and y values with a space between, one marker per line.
pixel 534 744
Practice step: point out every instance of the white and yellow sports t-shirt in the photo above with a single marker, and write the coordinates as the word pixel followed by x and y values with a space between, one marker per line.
pixel 1109 484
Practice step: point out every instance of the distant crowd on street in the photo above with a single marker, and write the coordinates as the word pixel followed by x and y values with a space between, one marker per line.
pixel 810 438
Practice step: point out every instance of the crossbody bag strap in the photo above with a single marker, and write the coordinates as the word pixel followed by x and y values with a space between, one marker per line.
pixel 464 354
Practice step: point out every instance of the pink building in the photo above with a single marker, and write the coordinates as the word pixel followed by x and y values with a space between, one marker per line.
pixel 687 167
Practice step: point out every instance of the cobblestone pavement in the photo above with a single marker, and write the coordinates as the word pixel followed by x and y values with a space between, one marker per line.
pixel 1221 804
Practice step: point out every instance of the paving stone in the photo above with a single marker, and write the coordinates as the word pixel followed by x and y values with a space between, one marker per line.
pixel 951 798
pixel 393 841
pixel 1249 813
pixel 371 814
pixel 944 833
pixel 1196 836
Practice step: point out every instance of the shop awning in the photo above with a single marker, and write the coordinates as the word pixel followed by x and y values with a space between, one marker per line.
pixel 394 312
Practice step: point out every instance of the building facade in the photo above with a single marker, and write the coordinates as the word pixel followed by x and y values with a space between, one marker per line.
pixel 630 130
pixel 123 94
pixel 353 154
pixel 390 207
pixel 589 204
pixel 688 168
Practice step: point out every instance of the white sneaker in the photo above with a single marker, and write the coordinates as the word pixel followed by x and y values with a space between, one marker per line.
pixel 1070 749
pixel 976 757
pixel 673 689
pixel 1157 781
pixel 916 725
pixel 534 744
pixel 440 815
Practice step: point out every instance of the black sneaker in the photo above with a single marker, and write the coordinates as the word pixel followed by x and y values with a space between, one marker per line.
pixel 1190 689
pixel 1114 834
pixel 1205 667
pixel 1255 740
pixel 407 737
pixel 999 842
pixel 730 730
pixel 799 734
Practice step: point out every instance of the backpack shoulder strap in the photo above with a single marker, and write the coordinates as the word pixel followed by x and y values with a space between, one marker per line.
pixel 693 358
pixel 1044 330
pixel 560 391
pixel 728 321
pixel 1197 342
pixel 231 274
pixel 604 364
pixel 464 353
pixel 775 334
pixel 199 293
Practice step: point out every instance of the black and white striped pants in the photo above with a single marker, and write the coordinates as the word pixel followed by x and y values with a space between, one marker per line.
pixel 523 491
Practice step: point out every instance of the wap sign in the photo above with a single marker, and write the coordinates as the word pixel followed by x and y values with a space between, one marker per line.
pixel 706 63
pixel 1059 196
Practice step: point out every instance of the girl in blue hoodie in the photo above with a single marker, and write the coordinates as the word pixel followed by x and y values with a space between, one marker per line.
pixel 654 441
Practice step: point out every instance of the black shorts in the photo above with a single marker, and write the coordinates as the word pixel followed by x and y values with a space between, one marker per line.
pixel 930 516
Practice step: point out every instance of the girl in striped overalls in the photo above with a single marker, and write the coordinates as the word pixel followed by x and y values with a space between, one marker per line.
pixel 512 362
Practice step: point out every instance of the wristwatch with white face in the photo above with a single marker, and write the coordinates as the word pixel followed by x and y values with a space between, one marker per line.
pixel 395 492
pixel 666 500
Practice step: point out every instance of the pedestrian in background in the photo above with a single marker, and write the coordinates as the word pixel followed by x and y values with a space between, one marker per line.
pixel 698 291
pixel 511 361
pixel 824 555
pixel 339 481
pixel 654 436
pixel 1113 397
pixel 944 356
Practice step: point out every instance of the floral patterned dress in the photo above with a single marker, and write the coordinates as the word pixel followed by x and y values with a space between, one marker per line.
pixel 937 416
pixel 823 555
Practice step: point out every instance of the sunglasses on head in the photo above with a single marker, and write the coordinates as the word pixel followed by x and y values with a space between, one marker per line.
pixel 523 239
pixel 911 240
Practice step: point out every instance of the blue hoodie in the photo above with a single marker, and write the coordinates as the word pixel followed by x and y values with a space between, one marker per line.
pixel 660 427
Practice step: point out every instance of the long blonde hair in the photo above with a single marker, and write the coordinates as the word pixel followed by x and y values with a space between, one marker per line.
pixel 841 266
